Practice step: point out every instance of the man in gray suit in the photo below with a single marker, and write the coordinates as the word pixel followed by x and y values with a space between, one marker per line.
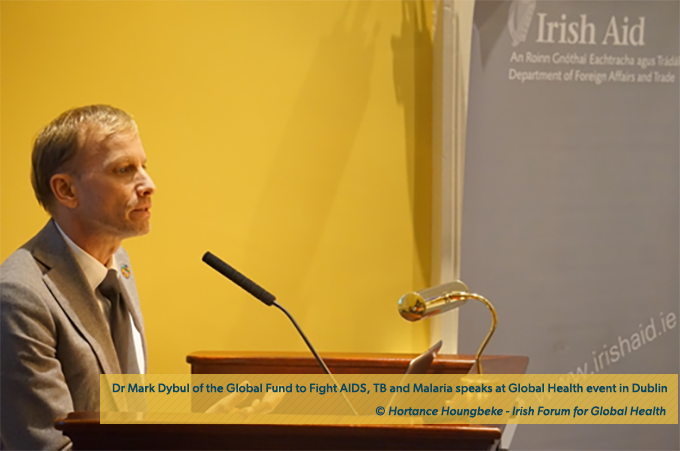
pixel 69 305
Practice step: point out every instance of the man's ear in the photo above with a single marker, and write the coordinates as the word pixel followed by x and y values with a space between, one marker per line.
pixel 64 190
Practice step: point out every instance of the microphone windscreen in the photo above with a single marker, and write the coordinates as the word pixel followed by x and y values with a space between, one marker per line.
pixel 239 279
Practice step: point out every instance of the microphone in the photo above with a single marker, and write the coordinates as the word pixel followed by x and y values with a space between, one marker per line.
pixel 239 279
pixel 269 299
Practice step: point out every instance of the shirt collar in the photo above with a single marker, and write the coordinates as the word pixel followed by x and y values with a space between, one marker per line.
pixel 94 271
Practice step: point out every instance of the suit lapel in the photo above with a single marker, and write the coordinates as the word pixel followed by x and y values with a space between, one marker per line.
pixel 66 281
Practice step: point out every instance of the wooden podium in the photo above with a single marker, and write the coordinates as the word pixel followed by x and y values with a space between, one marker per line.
pixel 84 430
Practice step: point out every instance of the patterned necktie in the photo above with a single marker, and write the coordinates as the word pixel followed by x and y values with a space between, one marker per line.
pixel 119 320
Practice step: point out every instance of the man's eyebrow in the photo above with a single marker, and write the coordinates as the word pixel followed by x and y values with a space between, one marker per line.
pixel 123 159
pixel 117 160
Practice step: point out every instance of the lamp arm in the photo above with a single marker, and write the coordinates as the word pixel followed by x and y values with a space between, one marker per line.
pixel 492 329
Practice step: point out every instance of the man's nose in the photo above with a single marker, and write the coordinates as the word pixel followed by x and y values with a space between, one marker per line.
pixel 147 186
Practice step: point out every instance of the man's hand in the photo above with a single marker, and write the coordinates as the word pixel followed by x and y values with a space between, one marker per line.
pixel 227 405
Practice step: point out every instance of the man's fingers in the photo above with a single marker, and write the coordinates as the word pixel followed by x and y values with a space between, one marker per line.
pixel 228 403
pixel 269 402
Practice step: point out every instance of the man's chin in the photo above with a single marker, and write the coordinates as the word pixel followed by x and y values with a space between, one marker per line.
pixel 144 230
pixel 137 230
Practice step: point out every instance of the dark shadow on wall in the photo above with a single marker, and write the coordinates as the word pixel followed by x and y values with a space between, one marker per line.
pixel 412 60
pixel 490 16
pixel 310 162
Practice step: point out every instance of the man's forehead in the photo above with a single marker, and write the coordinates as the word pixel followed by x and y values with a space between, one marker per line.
pixel 112 145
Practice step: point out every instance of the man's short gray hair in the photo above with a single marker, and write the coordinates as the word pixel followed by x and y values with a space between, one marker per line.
pixel 58 143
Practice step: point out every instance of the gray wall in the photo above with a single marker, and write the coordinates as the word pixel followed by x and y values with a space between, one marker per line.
pixel 571 199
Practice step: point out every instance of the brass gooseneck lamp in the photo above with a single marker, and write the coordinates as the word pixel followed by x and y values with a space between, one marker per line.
pixel 433 301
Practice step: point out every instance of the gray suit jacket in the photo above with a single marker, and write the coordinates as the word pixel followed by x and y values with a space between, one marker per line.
pixel 54 341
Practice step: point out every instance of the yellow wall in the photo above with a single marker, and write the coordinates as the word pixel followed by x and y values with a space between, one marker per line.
pixel 290 138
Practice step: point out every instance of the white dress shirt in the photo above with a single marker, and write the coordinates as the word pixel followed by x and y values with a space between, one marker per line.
pixel 95 273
